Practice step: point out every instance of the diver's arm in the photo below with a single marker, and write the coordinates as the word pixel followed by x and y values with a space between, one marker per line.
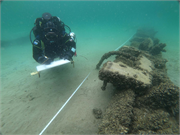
pixel 70 47
pixel 37 50
pixel 38 54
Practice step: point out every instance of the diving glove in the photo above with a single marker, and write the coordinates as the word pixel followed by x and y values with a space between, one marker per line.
pixel 44 60
pixel 67 57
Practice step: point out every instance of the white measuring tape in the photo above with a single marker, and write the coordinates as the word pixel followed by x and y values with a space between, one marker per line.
pixel 64 105
pixel 74 93
pixel 124 43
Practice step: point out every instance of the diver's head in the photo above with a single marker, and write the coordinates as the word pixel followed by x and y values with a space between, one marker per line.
pixel 46 16
pixel 50 31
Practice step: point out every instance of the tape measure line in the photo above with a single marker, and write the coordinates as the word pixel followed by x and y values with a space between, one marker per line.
pixel 123 43
pixel 64 105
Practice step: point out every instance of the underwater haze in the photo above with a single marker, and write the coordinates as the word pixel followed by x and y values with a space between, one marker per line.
pixel 28 103
pixel 17 17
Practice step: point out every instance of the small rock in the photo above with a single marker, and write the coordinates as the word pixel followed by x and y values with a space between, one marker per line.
pixel 97 113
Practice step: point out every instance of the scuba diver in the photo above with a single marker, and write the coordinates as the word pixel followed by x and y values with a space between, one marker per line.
pixel 52 40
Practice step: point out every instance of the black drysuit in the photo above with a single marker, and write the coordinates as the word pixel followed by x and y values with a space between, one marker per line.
pixel 62 47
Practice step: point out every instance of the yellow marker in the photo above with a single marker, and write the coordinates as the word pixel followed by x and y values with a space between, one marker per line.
pixel 40 23
pixel 34 73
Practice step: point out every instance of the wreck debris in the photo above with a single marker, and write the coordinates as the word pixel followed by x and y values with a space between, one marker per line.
pixel 105 56
pixel 118 115
pixel 155 50
pixel 145 40
pixel 146 101
pixel 97 113
pixel 163 96
pixel 124 77
pixel 152 122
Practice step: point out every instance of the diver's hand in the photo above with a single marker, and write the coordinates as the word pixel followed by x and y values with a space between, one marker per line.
pixel 67 57
pixel 44 60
